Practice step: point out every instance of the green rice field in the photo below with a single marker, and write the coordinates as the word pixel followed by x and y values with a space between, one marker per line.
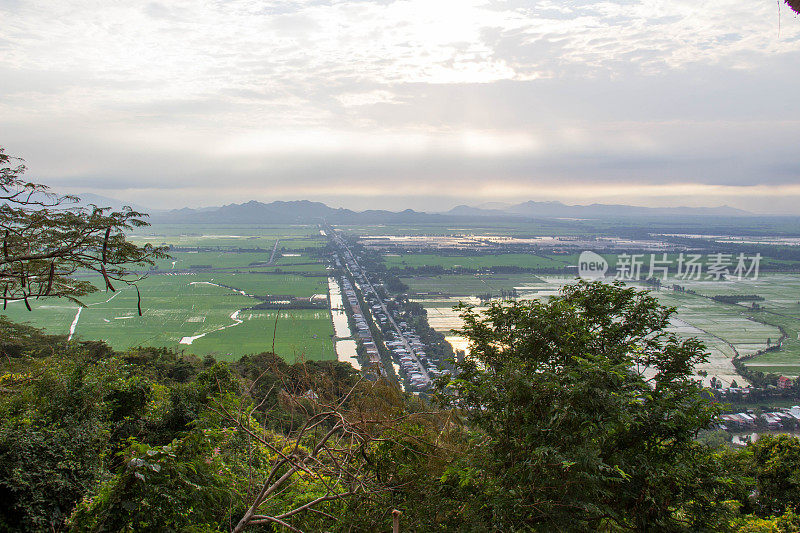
pixel 471 261
pixel 779 311
pixel 727 330
pixel 200 301
pixel 468 284
pixel 201 298
pixel 176 307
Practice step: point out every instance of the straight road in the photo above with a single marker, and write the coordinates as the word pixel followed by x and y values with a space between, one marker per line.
pixel 274 249
pixel 350 258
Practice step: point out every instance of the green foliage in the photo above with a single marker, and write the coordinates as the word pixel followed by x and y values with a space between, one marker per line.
pixel 44 470
pixel 579 413
pixel 408 462
pixel 137 439
pixel 789 522
pixel 775 466
pixel 195 483
pixel 17 339
pixel 588 411
pixel 66 417
pixel 53 442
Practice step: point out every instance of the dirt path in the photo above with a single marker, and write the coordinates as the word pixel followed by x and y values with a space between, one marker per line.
pixel 74 323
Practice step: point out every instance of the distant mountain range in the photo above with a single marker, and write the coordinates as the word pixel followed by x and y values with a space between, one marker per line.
pixel 304 211
pixel 533 209
pixel 292 212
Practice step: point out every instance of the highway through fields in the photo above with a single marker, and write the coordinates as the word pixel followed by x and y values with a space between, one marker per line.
pixel 349 260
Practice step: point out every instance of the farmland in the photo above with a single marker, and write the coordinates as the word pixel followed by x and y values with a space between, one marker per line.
pixel 205 296
pixel 541 227
pixel 779 311
pixel 219 291
pixel 468 284
pixel 474 262
pixel 728 329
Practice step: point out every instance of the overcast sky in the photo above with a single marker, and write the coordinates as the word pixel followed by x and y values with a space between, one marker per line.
pixel 393 104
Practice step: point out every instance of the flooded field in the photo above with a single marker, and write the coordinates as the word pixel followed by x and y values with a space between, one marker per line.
pixel 345 345
pixel 727 330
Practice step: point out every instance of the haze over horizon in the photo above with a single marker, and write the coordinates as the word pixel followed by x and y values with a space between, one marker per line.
pixel 444 208
pixel 406 104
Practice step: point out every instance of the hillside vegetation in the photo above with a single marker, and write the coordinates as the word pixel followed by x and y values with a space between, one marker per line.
pixel 551 425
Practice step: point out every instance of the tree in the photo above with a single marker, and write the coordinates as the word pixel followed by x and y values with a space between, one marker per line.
pixel 586 414
pixel 794 4
pixel 327 457
pixel 47 239
pixel 16 339
pixel 775 466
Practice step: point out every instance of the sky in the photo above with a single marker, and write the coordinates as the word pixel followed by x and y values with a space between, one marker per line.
pixel 422 104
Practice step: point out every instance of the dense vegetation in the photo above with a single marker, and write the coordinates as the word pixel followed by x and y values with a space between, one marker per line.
pixel 552 424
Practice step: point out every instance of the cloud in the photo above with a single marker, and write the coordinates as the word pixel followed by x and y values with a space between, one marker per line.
pixel 419 99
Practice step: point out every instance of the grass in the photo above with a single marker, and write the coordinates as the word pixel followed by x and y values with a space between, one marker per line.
pixel 272 284
pixel 180 304
pixel 221 259
pixel 230 259
pixel 472 261
pixel 290 245
pixel 732 324
pixel 301 334
pixel 233 236
pixel 173 307
pixel 469 284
